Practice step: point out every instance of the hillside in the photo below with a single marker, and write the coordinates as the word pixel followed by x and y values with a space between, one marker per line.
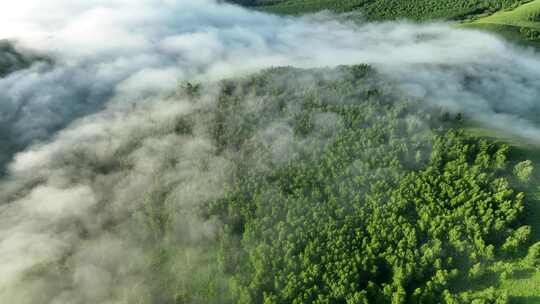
pixel 515 19
pixel 395 205
pixel 521 24
pixel 337 188
pixel 350 194
pixel 391 9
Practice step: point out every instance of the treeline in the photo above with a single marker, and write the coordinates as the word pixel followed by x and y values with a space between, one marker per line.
pixel 528 33
pixel 255 2
pixel 392 9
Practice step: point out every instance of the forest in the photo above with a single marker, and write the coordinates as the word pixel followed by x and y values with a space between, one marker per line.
pixel 355 194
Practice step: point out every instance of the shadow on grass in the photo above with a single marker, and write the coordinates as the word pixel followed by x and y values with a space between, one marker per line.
pixel 525 300
pixel 522 274
pixel 487 280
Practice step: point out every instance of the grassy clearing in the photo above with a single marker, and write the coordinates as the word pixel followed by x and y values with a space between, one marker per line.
pixel 526 15
pixel 521 25
pixel 524 288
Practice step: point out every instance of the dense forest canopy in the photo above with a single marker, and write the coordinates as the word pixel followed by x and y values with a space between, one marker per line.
pixel 381 200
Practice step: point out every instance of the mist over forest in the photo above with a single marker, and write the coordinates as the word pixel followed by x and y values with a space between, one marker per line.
pixel 291 151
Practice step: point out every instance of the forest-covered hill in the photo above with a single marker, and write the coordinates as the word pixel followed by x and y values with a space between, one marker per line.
pixel 380 199
pixel 346 191
pixel 514 19
pixel 390 9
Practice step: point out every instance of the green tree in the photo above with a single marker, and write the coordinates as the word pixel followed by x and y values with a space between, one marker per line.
pixel 523 171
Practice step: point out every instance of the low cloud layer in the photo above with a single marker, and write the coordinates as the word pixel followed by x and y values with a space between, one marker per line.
pixel 90 199
pixel 74 196
pixel 127 51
